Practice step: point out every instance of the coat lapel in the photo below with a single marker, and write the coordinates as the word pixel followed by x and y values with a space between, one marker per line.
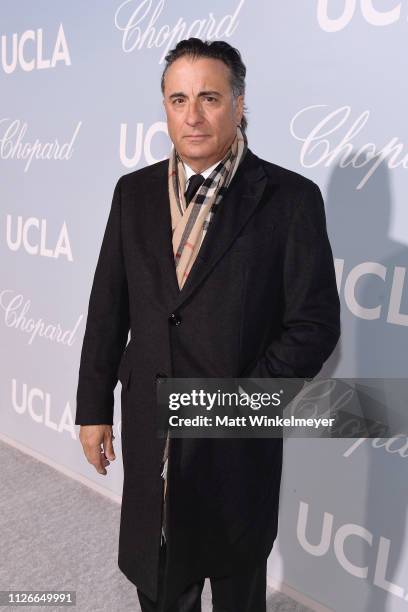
pixel 235 209
pixel 159 230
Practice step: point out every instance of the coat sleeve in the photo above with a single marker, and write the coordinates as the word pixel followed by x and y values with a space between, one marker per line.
pixel 311 314
pixel 107 326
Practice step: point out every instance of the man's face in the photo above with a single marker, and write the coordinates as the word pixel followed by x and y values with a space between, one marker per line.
pixel 202 116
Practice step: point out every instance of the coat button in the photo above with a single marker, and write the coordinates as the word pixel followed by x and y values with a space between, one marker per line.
pixel 175 319
pixel 160 377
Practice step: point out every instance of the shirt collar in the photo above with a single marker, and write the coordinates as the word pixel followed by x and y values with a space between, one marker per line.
pixel 205 173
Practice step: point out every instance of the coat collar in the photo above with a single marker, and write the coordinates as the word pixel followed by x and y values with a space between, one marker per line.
pixel 233 212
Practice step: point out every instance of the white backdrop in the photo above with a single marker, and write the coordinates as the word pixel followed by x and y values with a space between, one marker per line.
pixel 80 105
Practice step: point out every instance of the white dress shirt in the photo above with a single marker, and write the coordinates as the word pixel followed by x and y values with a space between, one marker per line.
pixel 204 173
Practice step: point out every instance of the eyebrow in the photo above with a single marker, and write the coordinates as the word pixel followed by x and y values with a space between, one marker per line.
pixel 180 94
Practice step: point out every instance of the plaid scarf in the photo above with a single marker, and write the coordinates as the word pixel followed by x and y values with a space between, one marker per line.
pixel 190 223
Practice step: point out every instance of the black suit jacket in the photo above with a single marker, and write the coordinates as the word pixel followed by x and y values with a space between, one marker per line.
pixel 260 301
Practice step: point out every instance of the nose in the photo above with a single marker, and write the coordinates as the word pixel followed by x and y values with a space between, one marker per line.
pixel 194 114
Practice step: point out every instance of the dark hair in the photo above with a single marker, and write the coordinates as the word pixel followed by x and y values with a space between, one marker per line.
pixel 218 49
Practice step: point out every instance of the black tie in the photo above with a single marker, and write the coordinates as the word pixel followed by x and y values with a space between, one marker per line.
pixel 194 183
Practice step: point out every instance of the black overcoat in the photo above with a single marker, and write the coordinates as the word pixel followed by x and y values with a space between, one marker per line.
pixel 260 301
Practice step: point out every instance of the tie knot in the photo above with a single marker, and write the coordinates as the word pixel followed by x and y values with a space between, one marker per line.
pixel 193 185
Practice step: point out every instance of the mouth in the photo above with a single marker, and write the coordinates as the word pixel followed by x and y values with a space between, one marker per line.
pixel 196 136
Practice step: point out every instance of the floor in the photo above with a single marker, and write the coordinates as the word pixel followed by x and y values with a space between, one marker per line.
pixel 56 533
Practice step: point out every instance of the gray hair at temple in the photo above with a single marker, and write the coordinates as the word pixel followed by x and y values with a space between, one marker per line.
pixel 218 49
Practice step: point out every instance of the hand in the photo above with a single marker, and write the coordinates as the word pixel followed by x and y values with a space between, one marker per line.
pixel 92 438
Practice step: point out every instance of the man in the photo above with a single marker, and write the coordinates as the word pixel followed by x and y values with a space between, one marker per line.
pixel 227 274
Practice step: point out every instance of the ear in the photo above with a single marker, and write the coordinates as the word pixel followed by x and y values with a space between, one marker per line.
pixel 239 109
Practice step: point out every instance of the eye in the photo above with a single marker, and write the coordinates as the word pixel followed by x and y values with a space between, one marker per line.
pixel 210 98
pixel 177 100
